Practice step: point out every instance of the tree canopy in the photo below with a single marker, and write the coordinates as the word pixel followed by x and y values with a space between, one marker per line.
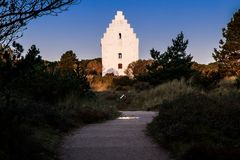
pixel 172 64
pixel 228 54
pixel 94 67
pixel 138 68
pixel 68 61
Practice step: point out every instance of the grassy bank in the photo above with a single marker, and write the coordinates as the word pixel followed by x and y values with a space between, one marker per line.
pixel 33 130
pixel 196 125
pixel 41 100
pixel 151 98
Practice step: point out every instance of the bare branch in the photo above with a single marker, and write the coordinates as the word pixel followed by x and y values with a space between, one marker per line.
pixel 16 14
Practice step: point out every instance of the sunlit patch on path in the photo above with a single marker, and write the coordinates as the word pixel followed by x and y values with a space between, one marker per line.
pixel 127 117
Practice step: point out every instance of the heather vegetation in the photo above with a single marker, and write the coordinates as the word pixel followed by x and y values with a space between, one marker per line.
pixel 201 120
pixel 42 100
pixel 199 125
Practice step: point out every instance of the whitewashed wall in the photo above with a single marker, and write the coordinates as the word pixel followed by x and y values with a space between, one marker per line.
pixel 111 45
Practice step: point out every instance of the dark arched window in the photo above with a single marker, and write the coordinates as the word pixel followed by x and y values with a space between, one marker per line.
pixel 120 35
pixel 120 55
pixel 120 66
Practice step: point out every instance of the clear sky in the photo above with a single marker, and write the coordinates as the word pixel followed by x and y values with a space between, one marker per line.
pixel 156 22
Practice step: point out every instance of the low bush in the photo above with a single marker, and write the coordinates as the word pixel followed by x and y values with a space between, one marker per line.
pixel 237 82
pixel 28 132
pixel 199 126
pixel 206 81
pixel 141 86
pixel 37 106
pixel 31 130
pixel 123 81
pixel 88 110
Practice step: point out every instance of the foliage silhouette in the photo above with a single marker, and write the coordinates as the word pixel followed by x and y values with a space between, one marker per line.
pixel 16 14
pixel 68 62
pixel 228 55
pixel 172 64
pixel 31 118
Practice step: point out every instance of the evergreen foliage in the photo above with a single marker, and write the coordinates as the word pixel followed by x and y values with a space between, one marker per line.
pixel 9 61
pixel 68 62
pixel 228 55
pixel 29 76
pixel 35 107
pixel 175 63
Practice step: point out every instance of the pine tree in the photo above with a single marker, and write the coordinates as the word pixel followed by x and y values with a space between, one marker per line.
pixel 228 55
pixel 172 64
pixel 68 62
pixel 32 61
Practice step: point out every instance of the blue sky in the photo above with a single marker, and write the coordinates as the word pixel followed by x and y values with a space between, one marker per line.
pixel 156 22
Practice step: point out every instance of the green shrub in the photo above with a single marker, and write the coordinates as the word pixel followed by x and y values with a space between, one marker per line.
pixel 31 117
pixel 88 110
pixel 208 80
pixel 238 82
pixel 141 86
pixel 196 124
pixel 31 130
pixel 122 81
pixel 26 132
pixel 210 153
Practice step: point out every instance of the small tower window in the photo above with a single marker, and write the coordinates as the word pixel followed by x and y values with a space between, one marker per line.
pixel 120 66
pixel 120 35
pixel 120 55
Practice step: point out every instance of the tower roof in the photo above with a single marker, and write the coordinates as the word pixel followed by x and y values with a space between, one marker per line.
pixel 119 21
pixel 119 15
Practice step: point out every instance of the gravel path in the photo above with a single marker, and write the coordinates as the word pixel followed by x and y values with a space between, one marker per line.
pixel 120 139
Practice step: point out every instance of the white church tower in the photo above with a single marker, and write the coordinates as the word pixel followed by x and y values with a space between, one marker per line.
pixel 120 46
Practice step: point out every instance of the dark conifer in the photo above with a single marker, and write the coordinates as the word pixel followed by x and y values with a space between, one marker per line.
pixel 228 54
pixel 172 64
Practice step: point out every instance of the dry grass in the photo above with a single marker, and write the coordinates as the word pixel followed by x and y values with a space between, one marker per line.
pixel 200 126
pixel 99 83
pixel 148 99
pixel 227 82
pixel 88 110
